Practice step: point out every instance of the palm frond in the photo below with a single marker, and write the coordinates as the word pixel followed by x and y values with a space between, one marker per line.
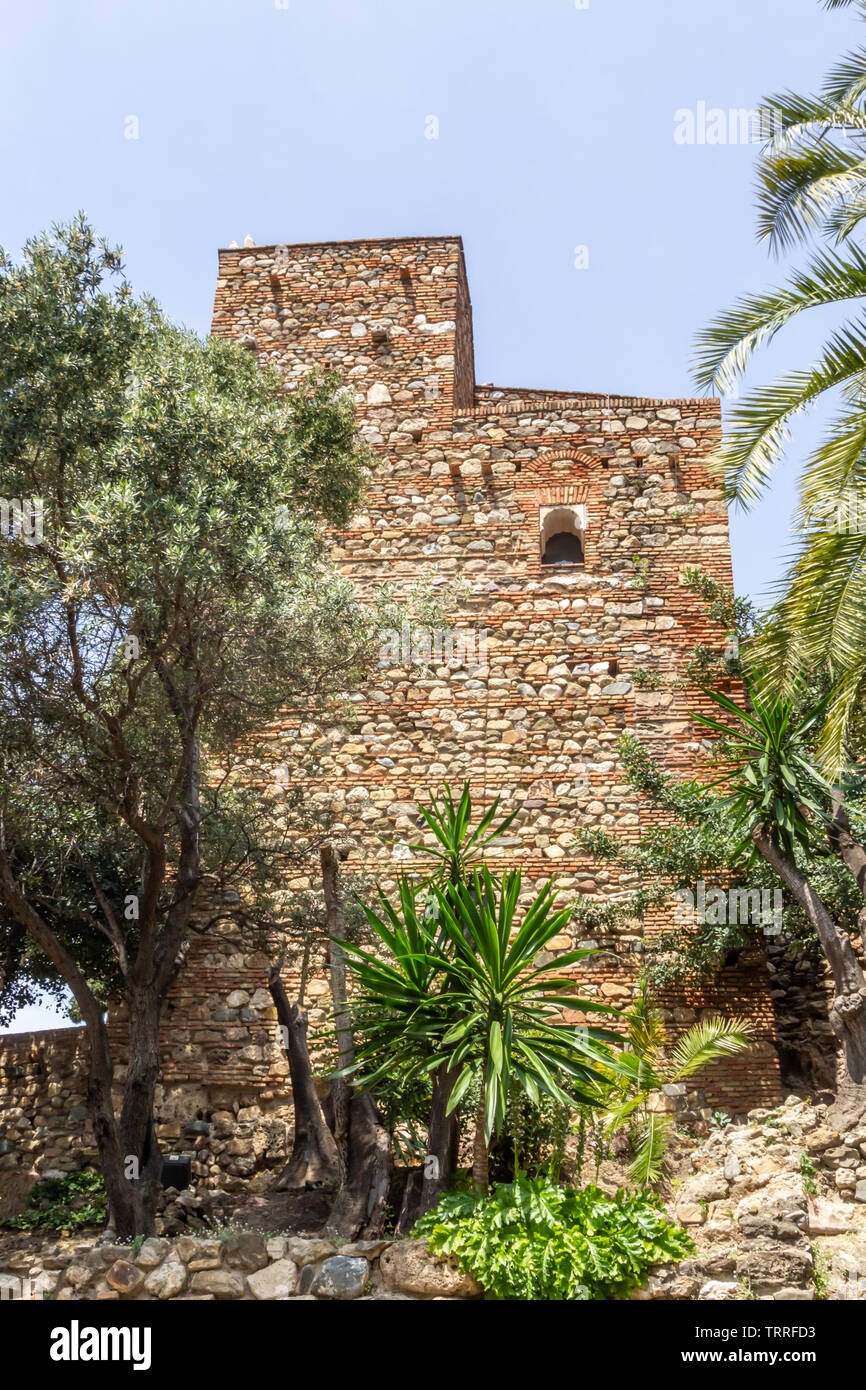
pixel 724 349
pixel 709 1041
pixel 759 425
pixel 646 1167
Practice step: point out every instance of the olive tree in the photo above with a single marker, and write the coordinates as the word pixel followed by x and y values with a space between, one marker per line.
pixel 163 595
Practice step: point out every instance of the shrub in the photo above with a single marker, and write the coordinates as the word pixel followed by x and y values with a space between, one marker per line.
pixel 532 1139
pixel 63 1204
pixel 534 1240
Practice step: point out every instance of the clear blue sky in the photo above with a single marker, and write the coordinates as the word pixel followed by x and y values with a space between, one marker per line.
pixel 309 122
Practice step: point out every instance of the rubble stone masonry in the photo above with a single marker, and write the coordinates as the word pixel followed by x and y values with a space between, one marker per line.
pixel 534 683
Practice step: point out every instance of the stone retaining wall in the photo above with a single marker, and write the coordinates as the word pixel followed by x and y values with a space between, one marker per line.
pixel 236 1137
pixel 776 1207
pixel 240 1265
pixel 777 1210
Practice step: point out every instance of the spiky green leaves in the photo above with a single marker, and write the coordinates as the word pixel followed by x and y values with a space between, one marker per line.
pixel 470 985
pixel 459 846
pixel 774 781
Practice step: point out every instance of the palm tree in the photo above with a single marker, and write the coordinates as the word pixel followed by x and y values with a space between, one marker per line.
pixel 647 1064
pixel 812 185
pixel 466 986
pixel 786 808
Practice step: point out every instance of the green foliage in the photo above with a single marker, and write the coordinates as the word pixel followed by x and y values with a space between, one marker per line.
pixel 812 192
pixel 822 1270
pixel 479 998
pixel 63 1204
pixel 697 842
pixel 774 780
pixel 532 1139
pixel 732 612
pixel 645 679
pixel 532 1239
pixel 647 1063
pixel 403 1096
pixel 701 839
pixel 459 847
pixel 385 1023
pixel 641 570
pixel 179 599
pixel 808 1173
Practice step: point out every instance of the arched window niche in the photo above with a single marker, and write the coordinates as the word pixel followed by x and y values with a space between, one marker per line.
pixel 562 529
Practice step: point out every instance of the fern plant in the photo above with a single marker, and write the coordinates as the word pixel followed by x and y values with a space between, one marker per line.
pixel 532 1239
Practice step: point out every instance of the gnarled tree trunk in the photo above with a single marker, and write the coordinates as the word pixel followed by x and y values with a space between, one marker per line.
pixel 130 1185
pixel 443 1141
pixel 848 1010
pixel 359 1210
pixel 363 1143
pixel 129 1155
pixel 426 1185
pixel 314 1158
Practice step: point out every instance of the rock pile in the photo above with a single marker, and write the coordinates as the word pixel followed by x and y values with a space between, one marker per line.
pixel 774 1208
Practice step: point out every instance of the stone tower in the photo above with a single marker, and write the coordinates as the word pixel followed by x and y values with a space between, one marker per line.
pixel 528 692
pixel 474 483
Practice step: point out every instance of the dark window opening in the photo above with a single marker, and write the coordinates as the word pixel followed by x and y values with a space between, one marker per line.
pixel 563 548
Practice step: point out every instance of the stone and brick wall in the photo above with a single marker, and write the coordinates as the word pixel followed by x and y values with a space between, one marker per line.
pixel 531 714
pixel 456 493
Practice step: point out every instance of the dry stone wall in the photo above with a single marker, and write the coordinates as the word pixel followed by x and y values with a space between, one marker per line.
pixel 776 1207
pixel 238 1264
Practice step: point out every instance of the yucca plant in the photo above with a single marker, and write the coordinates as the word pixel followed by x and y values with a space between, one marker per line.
pixel 459 847
pixel 465 987
pixel 397 1010
pixel 771 769
pixel 812 180
pixel 507 1003
pixel 460 844
pixel 647 1064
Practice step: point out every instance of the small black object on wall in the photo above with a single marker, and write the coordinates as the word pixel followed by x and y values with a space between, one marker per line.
pixel 176 1170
